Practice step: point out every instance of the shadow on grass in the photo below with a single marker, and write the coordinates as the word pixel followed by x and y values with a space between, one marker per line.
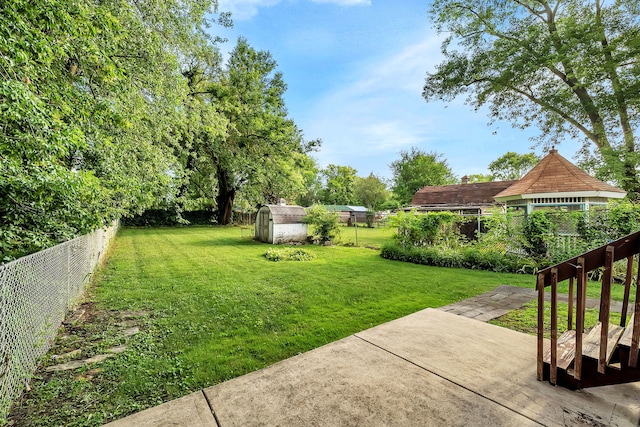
pixel 226 241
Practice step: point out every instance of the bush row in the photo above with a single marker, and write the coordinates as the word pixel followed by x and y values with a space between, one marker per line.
pixel 169 218
pixel 468 257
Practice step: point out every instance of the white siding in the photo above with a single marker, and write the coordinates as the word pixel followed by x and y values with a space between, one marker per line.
pixel 284 233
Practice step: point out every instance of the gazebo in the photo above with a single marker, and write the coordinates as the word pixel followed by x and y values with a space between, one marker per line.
pixel 557 184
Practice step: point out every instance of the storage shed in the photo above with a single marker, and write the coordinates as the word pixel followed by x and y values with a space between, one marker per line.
pixel 281 224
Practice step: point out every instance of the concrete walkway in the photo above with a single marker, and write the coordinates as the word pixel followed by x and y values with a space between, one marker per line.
pixel 504 299
pixel 431 368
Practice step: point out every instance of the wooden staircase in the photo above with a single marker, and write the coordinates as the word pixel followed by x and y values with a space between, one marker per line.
pixel 607 353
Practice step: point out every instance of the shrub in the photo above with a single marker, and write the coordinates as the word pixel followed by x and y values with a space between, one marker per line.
pixel 536 231
pixel 470 257
pixel 288 254
pixel 431 228
pixel 325 224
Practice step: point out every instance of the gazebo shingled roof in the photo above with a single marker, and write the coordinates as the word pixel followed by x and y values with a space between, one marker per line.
pixel 555 174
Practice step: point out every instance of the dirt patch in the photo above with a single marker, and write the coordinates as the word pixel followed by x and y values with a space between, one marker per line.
pixel 87 337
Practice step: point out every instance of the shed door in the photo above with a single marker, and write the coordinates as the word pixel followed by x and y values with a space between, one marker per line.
pixel 264 226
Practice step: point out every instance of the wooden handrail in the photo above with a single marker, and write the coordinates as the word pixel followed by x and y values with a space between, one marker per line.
pixel 624 247
pixel 576 269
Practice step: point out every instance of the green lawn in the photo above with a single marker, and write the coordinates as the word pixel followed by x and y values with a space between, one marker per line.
pixel 211 307
pixel 368 237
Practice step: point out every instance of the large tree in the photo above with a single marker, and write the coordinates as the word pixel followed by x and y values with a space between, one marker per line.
pixel 416 169
pixel 261 144
pixel 91 103
pixel 339 184
pixel 569 67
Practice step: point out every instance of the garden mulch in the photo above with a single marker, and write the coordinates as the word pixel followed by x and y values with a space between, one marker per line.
pixel 429 368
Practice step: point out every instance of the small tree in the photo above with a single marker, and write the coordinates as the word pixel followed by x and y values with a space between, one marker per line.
pixel 325 224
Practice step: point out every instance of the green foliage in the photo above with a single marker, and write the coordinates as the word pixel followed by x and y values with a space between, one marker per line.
pixel 568 68
pixel 208 294
pixel 512 165
pixel 339 188
pixel 478 177
pixel 371 192
pixel 535 230
pixel 312 184
pixel 601 225
pixel 370 218
pixel 416 169
pixel 468 257
pixel 499 232
pixel 325 224
pixel 261 156
pixel 525 319
pixel 431 228
pixel 91 105
pixel 288 254
pixel 168 218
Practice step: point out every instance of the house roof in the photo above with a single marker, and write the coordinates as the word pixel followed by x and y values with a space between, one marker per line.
pixel 555 174
pixel 478 194
pixel 345 208
pixel 286 214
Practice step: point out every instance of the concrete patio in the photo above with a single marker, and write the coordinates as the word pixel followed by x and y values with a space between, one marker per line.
pixel 430 368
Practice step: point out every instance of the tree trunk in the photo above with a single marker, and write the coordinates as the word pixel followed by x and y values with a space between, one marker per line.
pixel 225 198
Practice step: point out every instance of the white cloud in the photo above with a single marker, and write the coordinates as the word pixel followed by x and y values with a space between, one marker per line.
pixel 380 111
pixel 242 10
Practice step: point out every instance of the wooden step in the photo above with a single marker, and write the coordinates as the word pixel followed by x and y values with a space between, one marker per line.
pixel 591 341
pixel 625 339
pixel 566 350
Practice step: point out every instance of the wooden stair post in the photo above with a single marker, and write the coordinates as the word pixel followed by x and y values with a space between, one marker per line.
pixel 580 303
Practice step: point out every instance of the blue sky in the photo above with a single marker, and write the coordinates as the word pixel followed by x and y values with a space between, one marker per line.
pixel 355 71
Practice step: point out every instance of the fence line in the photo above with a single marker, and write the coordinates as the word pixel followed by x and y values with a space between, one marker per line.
pixel 36 291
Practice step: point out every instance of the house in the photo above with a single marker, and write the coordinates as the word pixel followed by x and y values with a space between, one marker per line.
pixel 465 198
pixel 554 183
pixel 281 224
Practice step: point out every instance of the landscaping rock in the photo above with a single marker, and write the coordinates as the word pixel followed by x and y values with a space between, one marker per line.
pixel 117 350
pixel 69 355
pixel 75 364
pixel 131 331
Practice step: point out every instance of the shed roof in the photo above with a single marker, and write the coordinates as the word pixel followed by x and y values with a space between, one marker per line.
pixel 555 174
pixel 478 194
pixel 345 208
pixel 286 214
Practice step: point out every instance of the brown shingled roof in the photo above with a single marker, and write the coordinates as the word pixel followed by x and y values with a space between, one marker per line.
pixel 481 193
pixel 555 174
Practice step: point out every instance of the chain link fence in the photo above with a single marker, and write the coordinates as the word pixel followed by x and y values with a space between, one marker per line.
pixel 36 291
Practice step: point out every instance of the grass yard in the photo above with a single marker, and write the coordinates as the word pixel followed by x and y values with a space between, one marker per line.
pixel 366 237
pixel 525 319
pixel 209 307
